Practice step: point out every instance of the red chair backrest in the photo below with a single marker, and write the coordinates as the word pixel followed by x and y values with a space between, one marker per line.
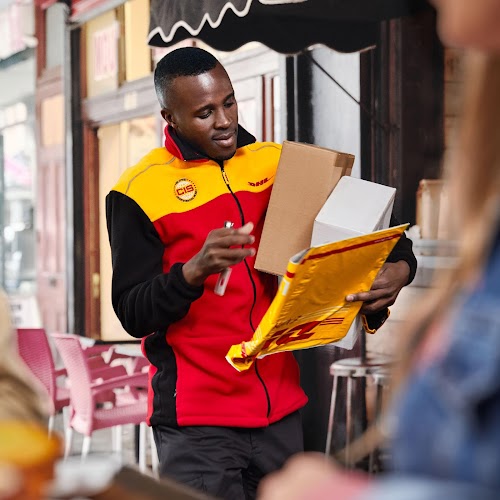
pixel 34 349
pixel 79 374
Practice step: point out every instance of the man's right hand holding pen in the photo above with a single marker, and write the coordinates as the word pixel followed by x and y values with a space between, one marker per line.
pixel 222 248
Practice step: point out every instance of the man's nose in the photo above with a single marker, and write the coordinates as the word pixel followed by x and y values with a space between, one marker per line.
pixel 222 119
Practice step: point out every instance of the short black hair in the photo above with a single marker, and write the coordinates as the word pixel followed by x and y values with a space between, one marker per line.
pixel 186 61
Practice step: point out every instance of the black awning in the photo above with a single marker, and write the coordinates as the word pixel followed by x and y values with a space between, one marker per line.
pixel 286 26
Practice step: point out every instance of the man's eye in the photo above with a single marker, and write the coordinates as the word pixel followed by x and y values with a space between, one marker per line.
pixel 229 104
pixel 205 115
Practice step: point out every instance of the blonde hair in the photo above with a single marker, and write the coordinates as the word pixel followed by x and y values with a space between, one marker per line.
pixel 472 172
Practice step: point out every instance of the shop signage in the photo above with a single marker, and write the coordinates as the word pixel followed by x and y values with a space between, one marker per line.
pixel 25 312
pixel 105 42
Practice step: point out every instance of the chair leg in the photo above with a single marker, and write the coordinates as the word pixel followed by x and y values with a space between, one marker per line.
pixel 331 416
pixel 86 446
pixel 155 463
pixel 68 439
pixel 349 429
pixel 116 436
pixel 51 425
pixel 65 417
pixel 378 411
pixel 142 447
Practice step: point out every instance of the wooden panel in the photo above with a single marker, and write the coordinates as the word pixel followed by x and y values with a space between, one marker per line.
pixel 91 238
pixel 137 52
pixel 419 153
pixel 407 141
pixel 50 213
pixel 52 129
pixel 51 239
pixel 132 99
pixel 50 216
pixel 40 34
pixel 111 158
pixel 120 146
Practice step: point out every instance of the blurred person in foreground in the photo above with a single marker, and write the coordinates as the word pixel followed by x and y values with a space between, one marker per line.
pixel 216 429
pixel 20 397
pixel 27 454
pixel 444 422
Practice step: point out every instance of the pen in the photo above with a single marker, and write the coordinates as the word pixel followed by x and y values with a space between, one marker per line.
pixel 220 286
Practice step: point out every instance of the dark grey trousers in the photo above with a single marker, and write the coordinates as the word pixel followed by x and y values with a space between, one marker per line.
pixel 227 462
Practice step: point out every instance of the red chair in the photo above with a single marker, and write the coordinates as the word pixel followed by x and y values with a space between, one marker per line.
pixel 86 415
pixel 34 349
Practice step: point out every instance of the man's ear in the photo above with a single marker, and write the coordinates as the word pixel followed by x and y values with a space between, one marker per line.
pixel 169 117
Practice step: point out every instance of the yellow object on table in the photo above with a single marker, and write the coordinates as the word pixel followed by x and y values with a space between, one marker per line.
pixel 310 307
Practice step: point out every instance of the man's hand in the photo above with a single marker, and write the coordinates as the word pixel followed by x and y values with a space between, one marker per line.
pixel 221 249
pixel 391 278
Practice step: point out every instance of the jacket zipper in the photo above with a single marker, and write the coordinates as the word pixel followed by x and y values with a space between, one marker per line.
pixel 242 217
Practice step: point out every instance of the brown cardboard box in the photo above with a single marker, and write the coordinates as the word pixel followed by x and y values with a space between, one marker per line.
pixel 305 178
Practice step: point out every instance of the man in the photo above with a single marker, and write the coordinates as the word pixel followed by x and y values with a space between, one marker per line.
pixel 216 429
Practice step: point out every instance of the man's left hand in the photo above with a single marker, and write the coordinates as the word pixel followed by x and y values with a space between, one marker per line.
pixel 391 278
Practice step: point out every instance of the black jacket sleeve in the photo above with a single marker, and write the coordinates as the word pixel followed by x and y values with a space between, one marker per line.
pixel 403 251
pixel 144 298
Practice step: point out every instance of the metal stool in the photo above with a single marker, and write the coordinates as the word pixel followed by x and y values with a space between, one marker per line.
pixel 351 368
pixel 382 379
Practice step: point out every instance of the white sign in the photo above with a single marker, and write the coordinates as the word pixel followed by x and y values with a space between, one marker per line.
pixel 130 101
pixel 25 312
pixel 105 42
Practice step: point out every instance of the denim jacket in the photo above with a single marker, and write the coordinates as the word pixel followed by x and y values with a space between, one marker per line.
pixel 448 417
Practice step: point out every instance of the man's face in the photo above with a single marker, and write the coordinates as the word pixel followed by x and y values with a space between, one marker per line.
pixel 202 109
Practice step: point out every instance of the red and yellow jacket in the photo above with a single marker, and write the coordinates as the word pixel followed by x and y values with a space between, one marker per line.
pixel 159 214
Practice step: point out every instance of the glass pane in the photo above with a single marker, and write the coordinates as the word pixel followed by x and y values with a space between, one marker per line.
pixel 18 230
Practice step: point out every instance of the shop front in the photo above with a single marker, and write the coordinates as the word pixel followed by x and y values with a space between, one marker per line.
pixel 116 120
pixel 383 104
pixel 18 165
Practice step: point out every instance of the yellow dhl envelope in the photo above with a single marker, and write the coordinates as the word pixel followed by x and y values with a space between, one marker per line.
pixel 310 307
